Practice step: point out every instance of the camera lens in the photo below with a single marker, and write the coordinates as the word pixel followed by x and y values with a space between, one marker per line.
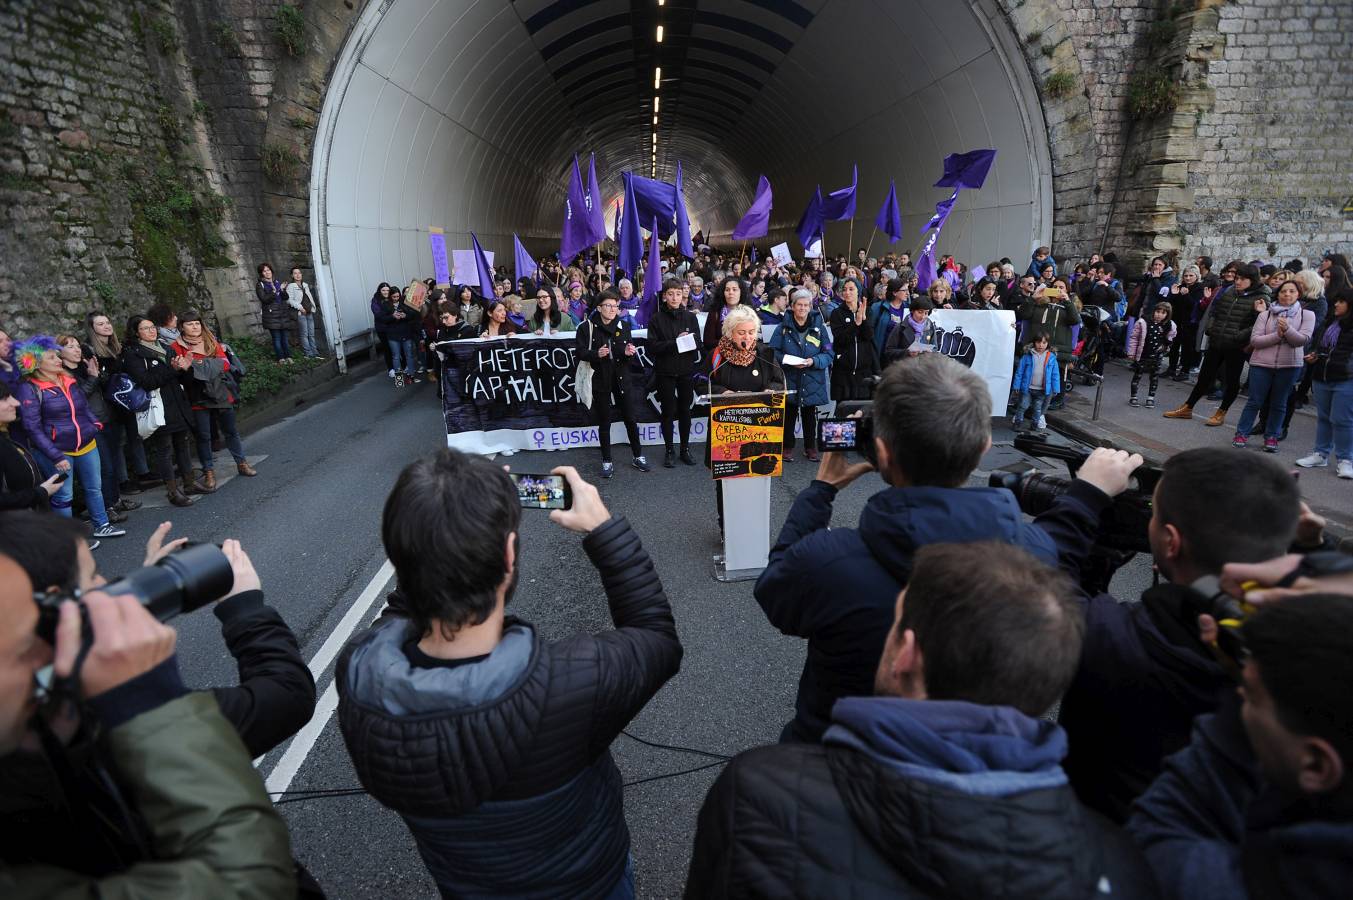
pixel 181 582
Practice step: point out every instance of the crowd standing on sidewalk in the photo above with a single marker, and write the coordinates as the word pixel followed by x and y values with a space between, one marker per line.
pixel 90 420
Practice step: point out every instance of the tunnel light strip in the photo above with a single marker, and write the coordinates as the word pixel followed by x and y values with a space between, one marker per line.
pixel 657 78
pixel 655 105
pixel 659 34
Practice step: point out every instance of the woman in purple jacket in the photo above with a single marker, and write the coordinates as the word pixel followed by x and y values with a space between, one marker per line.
pixel 61 430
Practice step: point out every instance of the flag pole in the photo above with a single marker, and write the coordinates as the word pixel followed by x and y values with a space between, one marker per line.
pixel 742 254
pixel 850 242
pixel 870 245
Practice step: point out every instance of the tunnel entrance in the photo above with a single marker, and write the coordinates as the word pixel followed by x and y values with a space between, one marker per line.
pixel 465 114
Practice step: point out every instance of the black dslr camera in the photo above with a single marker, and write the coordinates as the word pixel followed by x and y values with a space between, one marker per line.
pixel 183 581
pixel 1124 524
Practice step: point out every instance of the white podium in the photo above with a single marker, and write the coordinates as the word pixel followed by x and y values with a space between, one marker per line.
pixel 746 529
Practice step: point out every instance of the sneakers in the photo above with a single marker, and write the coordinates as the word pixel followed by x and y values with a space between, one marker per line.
pixel 112 531
pixel 607 469
pixel 1345 469
pixel 93 545
pixel 1313 461
pixel 1042 423
pixel 1132 401
pixel 392 373
pixel 1240 440
pixel 399 379
pixel 641 464
pixel 1151 402
pixel 1270 445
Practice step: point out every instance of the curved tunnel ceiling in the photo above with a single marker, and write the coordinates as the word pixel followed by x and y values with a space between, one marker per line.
pixel 465 114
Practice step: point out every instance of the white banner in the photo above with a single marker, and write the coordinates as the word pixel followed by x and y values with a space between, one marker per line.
pixel 780 253
pixel 463 269
pixel 984 341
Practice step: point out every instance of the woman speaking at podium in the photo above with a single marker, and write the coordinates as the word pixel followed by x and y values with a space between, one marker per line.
pixel 742 362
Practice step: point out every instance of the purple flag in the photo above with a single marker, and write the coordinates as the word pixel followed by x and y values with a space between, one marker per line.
pixel 631 236
pixel 577 230
pixel 966 170
pixel 925 264
pixel 840 204
pixel 683 222
pixel 648 303
pixel 756 221
pixel 889 219
pixel 654 198
pixel 523 263
pixel 810 223
pixel 596 219
pixel 481 263
pixel 942 210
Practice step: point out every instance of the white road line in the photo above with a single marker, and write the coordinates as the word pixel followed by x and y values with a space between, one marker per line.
pixel 285 771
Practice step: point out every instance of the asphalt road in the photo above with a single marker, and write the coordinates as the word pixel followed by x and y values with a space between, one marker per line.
pixel 311 524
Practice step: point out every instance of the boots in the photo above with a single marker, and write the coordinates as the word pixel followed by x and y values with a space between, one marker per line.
pixel 204 484
pixel 1183 412
pixel 1218 418
pixel 669 458
pixel 246 470
pixel 176 496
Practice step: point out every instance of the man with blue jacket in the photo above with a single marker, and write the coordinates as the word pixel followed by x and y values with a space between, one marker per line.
pixel 836 587
pixel 944 782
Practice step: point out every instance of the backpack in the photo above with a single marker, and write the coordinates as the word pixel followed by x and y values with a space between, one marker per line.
pixel 124 392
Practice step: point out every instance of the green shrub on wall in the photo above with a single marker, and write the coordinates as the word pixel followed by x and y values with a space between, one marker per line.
pixel 1151 95
pixel 291 29
pixel 265 376
pixel 1060 84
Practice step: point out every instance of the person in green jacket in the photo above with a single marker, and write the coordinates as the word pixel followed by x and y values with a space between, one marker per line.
pixel 176 760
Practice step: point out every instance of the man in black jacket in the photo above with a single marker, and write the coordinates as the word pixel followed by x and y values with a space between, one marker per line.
pixel 489 741
pixel 836 586
pixel 944 783
pixel 1144 674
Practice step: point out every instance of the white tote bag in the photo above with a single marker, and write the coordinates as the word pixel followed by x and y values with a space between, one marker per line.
pixel 152 417
pixel 582 379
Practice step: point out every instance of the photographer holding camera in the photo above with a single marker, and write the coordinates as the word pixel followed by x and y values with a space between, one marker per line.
pixel 1145 674
pixel 176 763
pixel 1260 804
pixel 836 586
pixel 490 741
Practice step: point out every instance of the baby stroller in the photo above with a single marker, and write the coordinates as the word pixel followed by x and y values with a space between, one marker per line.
pixel 1096 340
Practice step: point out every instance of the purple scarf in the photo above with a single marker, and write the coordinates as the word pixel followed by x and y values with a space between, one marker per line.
pixel 1331 336
pixel 578 308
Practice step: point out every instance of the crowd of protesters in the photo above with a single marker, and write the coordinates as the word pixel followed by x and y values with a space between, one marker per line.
pixel 117 413
pixel 843 321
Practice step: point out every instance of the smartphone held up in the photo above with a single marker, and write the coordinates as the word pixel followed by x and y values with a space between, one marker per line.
pixel 542 491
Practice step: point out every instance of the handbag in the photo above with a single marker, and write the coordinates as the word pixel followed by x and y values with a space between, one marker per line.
pixel 582 378
pixel 124 392
pixel 151 418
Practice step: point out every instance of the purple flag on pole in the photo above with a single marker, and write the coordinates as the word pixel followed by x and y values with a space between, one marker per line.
pixel 755 222
pixel 942 211
pixel 648 303
pixel 925 264
pixel 889 219
pixel 481 263
pixel 654 198
pixel 522 262
pixel 966 170
pixel 577 231
pixel 683 222
pixel 840 204
pixel 631 236
pixel 810 223
pixel 596 219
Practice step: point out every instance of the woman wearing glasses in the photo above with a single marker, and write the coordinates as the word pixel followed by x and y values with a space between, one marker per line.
pixel 547 319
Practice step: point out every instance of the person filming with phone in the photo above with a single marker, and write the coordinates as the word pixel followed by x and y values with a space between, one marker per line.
pixel 836 586
pixel 490 741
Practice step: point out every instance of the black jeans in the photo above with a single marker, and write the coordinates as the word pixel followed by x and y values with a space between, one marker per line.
pixel 808 415
pixel 109 442
pixel 1228 363
pixel 1150 366
pixel 603 398
pixel 1184 351
pixel 675 393
pixel 166 448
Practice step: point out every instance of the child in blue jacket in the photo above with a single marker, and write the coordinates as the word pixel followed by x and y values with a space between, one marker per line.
pixel 1036 378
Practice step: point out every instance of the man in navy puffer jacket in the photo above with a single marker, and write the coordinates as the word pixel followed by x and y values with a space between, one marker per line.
pixel 836 586
pixel 491 742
